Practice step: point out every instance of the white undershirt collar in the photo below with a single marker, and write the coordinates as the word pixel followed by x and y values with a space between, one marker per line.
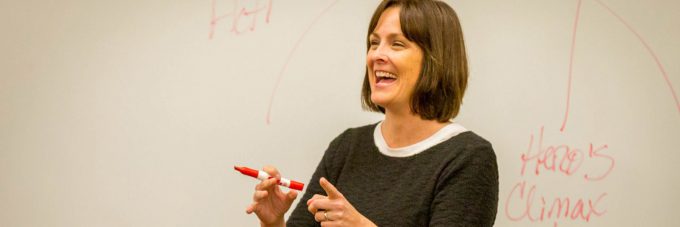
pixel 445 133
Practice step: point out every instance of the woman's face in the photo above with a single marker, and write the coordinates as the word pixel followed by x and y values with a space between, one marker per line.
pixel 393 63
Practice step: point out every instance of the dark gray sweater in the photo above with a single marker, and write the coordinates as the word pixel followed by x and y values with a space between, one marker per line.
pixel 454 183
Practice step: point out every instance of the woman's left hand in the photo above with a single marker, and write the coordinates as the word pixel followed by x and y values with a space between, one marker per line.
pixel 334 209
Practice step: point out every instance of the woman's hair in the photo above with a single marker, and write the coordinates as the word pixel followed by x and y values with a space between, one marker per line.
pixel 434 26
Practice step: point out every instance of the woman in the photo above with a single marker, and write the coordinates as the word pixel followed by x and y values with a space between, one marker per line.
pixel 416 167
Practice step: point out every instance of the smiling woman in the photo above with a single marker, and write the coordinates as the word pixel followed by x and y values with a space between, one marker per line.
pixel 416 167
pixel 433 46
pixel 393 64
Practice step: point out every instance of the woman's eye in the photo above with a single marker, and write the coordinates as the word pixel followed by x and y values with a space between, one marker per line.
pixel 399 44
pixel 374 42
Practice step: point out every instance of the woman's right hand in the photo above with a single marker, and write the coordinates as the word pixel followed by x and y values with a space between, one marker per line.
pixel 269 202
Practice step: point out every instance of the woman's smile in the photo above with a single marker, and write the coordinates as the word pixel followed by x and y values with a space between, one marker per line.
pixel 384 79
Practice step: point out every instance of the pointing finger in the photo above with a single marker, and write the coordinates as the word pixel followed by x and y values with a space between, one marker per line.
pixel 331 191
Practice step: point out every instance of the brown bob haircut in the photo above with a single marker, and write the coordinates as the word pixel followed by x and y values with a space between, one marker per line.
pixel 434 27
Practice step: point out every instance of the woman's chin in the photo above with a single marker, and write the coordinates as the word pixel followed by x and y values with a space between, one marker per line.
pixel 380 101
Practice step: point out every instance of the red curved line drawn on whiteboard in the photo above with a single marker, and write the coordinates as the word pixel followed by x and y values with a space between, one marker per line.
pixel 649 49
pixel 571 64
pixel 290 56
pixel 638 36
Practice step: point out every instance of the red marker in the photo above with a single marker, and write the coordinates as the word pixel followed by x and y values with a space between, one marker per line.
pixel 262 175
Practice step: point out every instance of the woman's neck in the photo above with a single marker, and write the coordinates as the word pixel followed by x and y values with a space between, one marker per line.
pixel 401 130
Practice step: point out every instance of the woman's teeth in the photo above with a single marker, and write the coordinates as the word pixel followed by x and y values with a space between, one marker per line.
pixel 381 75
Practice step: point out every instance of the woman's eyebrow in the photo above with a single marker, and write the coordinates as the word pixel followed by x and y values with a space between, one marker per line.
pixel 390 35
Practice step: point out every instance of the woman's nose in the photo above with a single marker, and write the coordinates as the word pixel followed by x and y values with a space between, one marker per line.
pixel 379 55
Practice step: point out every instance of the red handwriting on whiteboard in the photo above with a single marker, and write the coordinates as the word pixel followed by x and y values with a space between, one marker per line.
pixel 589 162
pixel 540 208
pixel 241 17
pixel 565 159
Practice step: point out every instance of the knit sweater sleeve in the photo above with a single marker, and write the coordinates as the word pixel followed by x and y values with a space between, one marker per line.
pixel 466 193
pixel 329 167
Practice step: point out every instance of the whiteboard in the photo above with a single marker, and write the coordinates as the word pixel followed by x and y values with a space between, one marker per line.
pixel 132 113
